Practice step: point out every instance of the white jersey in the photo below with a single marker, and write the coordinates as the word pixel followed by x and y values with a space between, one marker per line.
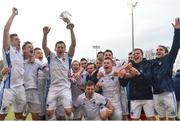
pixel 13 59
pixel 31 74
pixel 91 108
pixel 111 88
pixel 59 70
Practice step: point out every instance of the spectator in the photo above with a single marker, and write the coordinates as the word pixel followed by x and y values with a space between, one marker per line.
pixel 177 89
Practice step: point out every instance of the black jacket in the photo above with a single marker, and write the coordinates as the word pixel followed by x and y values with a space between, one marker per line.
pixel 140 87
pixel 162 67
pixel 94 79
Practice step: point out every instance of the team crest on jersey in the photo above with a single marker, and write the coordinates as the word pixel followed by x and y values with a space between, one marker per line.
pixel 159 63
pixel 94 102
pixel 141 70
pixel 112 78
pixel 63 59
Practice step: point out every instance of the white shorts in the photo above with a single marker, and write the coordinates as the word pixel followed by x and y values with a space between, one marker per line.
pixel 124 101
pixel 15 96
pixel 165 104
pixel 63 95
pixel 32 96
pixel 33 104
pixel 31 108
pixel 137 105
pixel 43 103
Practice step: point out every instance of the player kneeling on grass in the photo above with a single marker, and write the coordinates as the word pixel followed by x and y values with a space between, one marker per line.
pixel 94 105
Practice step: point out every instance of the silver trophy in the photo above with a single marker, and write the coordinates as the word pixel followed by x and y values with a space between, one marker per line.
pixel 66 17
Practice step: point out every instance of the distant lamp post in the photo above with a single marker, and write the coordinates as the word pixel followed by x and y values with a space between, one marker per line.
pixel 96 47
pixel 133 4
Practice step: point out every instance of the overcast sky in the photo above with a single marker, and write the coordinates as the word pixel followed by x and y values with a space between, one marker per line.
pixel 97 22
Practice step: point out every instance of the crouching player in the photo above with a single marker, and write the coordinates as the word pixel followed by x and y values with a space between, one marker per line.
pixel 94 106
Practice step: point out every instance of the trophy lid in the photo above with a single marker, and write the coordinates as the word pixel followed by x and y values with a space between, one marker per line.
pixel 65 15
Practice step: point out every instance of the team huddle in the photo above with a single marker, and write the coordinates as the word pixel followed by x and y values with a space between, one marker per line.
pixel 68 89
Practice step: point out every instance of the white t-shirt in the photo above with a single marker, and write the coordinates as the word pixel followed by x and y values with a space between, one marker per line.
pixel 111 88
pixel 31 73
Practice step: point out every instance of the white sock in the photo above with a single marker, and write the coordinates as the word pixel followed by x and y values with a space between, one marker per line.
pixel 69 118
pixel 52 119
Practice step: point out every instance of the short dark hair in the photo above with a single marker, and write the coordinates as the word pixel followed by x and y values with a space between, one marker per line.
pixel 89 83
pixel 37 48
pixel 165 48
pixel 139 50
pixel 25 43
pixel 130 53
pixel 109 59
pixel 13 35
pixel 90 63
pixel 108 51
pixel 100 52
pixel 60 42
pixel 83 59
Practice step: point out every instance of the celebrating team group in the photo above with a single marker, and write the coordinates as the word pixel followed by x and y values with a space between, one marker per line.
pixel 68 89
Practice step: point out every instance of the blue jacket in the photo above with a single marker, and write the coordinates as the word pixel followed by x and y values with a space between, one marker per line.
pixel 162 68
pixel 176 79
pixel 140 87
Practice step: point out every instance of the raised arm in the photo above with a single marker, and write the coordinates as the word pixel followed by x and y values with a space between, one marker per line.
pixel 177 23
pixel 6 36
pixel 46 30
pixel 73 43
pixel 176 41
pixel 177 28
